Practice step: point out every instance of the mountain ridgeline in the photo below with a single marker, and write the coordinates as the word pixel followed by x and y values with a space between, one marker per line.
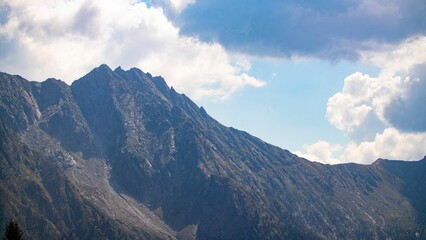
pixel 120 155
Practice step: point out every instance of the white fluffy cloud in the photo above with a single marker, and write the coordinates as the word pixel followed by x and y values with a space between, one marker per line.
pixel 398 59
pixel 179 5
pixel 391 144
pixel 368 109
pixel 362 101
pixel 65 39
pixel 321 151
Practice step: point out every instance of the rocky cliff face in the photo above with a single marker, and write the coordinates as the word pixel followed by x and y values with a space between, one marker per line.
pixel 120 155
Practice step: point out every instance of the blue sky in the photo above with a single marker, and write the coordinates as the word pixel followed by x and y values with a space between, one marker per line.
pixel 290 110
pixel 333 81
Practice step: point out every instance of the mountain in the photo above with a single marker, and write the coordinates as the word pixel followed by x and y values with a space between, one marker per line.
pixel 120 155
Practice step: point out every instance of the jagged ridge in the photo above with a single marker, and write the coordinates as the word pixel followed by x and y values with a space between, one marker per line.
pixel 135 159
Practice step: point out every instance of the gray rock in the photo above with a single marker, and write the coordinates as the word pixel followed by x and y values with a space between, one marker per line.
pixel 120 155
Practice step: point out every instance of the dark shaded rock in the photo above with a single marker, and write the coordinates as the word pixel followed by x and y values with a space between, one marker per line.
pixel 61 117
pixel 93 96
pixel 18 108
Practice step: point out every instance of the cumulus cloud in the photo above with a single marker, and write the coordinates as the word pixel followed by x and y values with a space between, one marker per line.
pixel 391 144
pixel 383 116
pixel 407 111
pixel 337 29
pixel 362 102
pixel 321 151
pixel 395 98
pixel 65 39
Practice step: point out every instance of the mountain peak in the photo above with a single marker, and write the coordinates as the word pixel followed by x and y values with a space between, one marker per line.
pixel 101 73
pixel 122 153
pixel 104 67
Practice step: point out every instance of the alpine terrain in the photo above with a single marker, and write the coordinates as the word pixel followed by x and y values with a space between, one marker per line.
pixel 120 155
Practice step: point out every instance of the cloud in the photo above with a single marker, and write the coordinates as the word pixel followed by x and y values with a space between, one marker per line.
pixel 383 116
pixel 359 108
pixel 407 112
pixel 66 39
pixel 325 29
pixel 395 98
pixel 388 144
pixel 321 151
pixel 391 144
pixel 172 7
pixel 399 58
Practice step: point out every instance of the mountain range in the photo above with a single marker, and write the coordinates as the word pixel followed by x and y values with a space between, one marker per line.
pixel 121 155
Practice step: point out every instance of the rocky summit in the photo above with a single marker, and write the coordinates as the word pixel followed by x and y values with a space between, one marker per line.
pixel 121 155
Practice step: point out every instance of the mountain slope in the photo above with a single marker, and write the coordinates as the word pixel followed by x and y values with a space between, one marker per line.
pixel 136 159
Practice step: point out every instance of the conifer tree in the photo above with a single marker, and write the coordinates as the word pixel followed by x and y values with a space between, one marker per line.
pixel 13 231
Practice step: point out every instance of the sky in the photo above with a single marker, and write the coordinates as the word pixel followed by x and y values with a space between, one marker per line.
pixel 333 81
